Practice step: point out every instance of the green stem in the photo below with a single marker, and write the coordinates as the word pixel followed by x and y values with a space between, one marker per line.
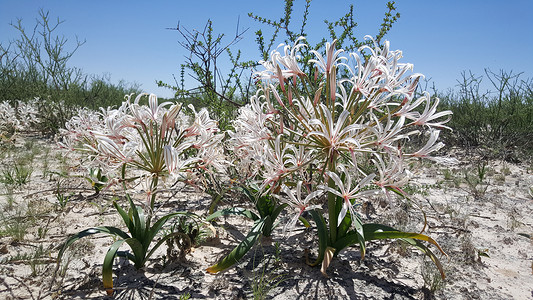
pixel 153 191
pixel 332 201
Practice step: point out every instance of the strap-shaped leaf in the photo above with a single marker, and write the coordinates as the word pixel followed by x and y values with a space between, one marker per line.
pixel 241 249
pixel 107 267
pixel 159 224
pixel 139 252
pixel 265 205
pixel 91 231
pixel 139 224
pixel 277 211
pixel 233 211
pixel 428 252
pixel 267 228
pixel 356 236
pixel 378 231
pixel 304 222
pixel 125 216
pixel 344 227
pixel 215 202
pixel 323 237
pixel 360 232
pixel 250 191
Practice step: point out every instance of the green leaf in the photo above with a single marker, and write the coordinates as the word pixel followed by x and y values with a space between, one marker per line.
pixel 139 251
pixel 265 205
pixel 249 193
pixel 277 211
pixel 233 211
pixel 90 231
pixel 344 227
pixel 322 235
pixel 353 237
pixel 125 217
pixel 349 239
pixel 304 222
pixel 378 231
pixel 107 267
pixel 138 224
pixel 159 224
pixel 428 252
pixel 525 235
pixel 267 228
pixel 359 231
pixel 215 202
pixel 241 249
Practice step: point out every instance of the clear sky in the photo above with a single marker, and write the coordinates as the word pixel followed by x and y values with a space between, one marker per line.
pixel 129 39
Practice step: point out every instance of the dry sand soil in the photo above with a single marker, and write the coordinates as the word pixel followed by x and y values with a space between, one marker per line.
pixel 485 227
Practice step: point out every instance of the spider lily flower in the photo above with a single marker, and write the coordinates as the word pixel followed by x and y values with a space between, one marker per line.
pixel 342 120
pixel 155 108
pixel 407 108
pixel 115 126
pixel 331 135
pixel 290 60
pixel 207 140
pixel 212 157
pixel 108 148
pixel 363 83
pixel 202 122
pixel 8 116
pixel 298 158
pixel 170 118
pixel 274 165
pixel 250 126
pixel 432 146
pixel 172 158
pixel 384 137
pixel 297 203
pixel 391 174
pixel 149 138
pixel 430 113
pixel 346 192
pixel 28 113
pixel 332 57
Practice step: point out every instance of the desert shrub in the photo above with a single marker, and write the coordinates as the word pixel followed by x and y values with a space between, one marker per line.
pixel 35 67
pixel 223 94
pixel 499 121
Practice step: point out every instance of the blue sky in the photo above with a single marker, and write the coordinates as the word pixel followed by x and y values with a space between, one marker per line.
pixel 129 39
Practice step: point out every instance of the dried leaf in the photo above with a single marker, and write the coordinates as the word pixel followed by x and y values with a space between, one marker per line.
pixel 328 256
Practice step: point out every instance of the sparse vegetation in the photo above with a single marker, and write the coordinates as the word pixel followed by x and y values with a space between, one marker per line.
pixel 477 208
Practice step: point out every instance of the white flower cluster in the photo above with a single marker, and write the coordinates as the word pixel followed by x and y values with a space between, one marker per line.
pixel 351 121
pixel 19 118
pixel 157 139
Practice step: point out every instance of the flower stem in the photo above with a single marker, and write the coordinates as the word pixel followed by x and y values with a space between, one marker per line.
pixel 332 200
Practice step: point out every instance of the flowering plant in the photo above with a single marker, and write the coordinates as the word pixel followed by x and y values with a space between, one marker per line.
pixel 330 139
pixel 159 143
pixel 18 117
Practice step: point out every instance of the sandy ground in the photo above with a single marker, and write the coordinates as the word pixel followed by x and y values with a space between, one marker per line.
pixel 485 230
